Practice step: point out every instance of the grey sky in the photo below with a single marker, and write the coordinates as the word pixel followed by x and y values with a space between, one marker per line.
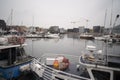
pixel 47 13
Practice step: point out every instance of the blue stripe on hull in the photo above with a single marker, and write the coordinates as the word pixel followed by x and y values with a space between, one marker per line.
pixel 13 72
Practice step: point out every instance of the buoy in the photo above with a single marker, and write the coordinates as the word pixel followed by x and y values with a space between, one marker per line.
pixel 56 64
pixel 61 63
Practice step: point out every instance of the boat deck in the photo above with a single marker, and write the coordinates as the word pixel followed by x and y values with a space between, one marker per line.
pixel 110 60
pixel 72 69
pixel 71 73
pixel 72 59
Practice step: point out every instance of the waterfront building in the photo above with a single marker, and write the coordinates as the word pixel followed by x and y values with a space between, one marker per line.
pixel 62 30
pixel 54 29
pixel 86 30
pixel 96 29
pixel 116 29
pixel 81 29
pixel 99 30
pixel 76 30
pixel 2 24
pixel 69 30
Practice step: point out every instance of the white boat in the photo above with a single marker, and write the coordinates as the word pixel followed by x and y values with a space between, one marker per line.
pixel 3 40
pixel 50 35
pixel 101 38
pixel 45 67
pixel 86 36
pixel 33 36
pixel 100 66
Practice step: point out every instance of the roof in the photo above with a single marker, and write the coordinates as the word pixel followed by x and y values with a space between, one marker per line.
pixel 10 46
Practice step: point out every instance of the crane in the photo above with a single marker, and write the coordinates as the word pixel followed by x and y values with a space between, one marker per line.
pixel 86 20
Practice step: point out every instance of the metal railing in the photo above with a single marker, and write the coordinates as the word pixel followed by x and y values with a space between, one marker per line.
pixel 53 74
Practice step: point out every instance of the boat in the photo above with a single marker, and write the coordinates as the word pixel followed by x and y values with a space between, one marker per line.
pixel 86 36
pixel 13 61
pixel 33 36
pixel 100 66
pixel 101 38
pixel 112 36
pixel 3 40
pixel 50 35
pixel 52 66
pixel 109 38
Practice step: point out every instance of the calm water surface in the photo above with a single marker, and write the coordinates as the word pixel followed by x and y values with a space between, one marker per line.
pixel 67 44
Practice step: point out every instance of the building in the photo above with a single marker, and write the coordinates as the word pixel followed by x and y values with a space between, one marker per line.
pixel 62 31
pixel 96 29
pixel 86 30
pixel 116 29
pixel 3 25
pixel 69 30
pixel 81 29
pixel 54 29
pixel 76 30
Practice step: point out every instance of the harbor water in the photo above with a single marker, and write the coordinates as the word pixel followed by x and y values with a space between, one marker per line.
pixel 67 44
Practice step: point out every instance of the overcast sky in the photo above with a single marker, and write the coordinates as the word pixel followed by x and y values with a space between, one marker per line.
pixel 46 13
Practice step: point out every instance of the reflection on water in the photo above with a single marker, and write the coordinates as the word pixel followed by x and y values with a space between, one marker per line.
pixel 67 44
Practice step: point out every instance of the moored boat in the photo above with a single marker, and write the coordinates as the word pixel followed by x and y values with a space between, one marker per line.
pixel 100 66
pixel 87 36
pixel 46 67
pixel 13 61
pixel 33 36
pixel 50 35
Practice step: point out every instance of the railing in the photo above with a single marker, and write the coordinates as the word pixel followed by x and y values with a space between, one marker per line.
pixel 53 74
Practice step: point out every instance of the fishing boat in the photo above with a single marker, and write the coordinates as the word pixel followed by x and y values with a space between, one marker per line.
pixel 13 61
pixel 99 66
pixel 56 67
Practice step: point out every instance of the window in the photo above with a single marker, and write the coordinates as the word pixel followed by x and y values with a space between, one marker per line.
pixel 116 75
pixel 101 75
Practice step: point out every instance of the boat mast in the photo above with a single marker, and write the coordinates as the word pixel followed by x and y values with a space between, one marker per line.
pixel 104 21
pixel 105 18
pixel 11 16
pixel 111 18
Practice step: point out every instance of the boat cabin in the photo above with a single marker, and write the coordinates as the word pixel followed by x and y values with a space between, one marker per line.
pixel 11 55
pixel 13 61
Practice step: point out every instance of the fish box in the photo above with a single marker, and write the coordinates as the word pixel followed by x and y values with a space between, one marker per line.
pixel 50 61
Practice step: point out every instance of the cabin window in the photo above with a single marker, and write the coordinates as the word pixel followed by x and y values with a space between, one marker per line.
pixel 4 54
pixel 116 75
pixel 101 75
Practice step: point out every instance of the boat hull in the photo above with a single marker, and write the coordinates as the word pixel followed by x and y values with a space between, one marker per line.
pixel 13 71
